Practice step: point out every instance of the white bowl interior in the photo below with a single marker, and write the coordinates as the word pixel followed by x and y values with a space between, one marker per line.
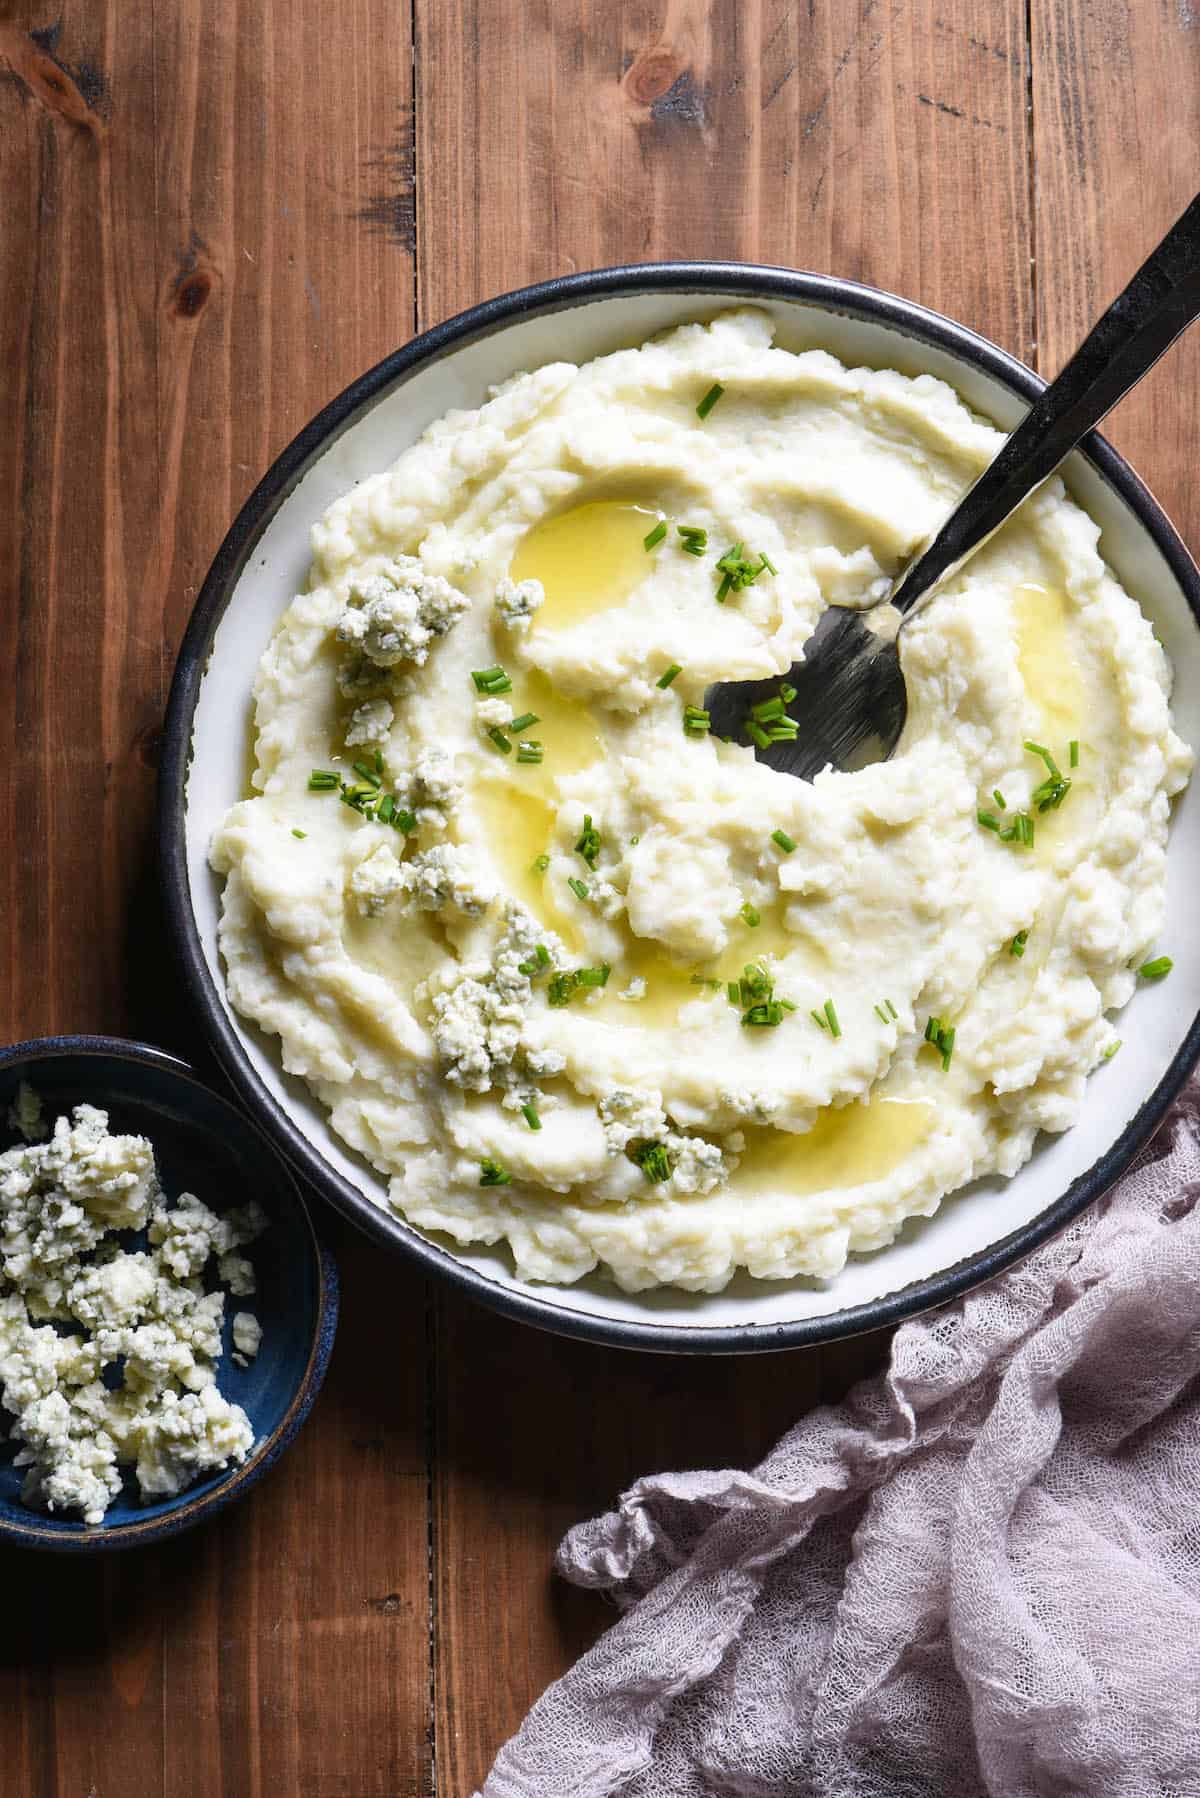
pixel 1153 1025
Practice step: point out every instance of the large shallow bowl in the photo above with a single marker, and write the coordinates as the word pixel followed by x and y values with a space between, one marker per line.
pixel 261 565
pixel 201 1145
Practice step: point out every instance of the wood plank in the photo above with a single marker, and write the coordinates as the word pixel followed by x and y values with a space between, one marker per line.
pixel 883 141
pixel 1116 121
pixel 207 234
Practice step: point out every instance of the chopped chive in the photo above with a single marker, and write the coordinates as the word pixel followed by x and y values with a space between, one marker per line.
pixel 989 820
pixel 783 730
pixel 713 986
pixel 696 721
pixel 653 1159
pixel 1073 752
pixel 561 986
pixel 941 1036
pixel 387 806
pixel 710 399
pixel 880 1013
pixel 503 744
pixel 1111 1050
pixel 323 780
pixel 634 841
pixel 493 1173
pixel 668 675
pixel 750 915
pixel 891 1009
pixel 1156 969
pixel 529 1113
pixel 538 962
pixel 787 693
pixel 757 734
pixel 695 539
pixel 723 589
pixel 300 833
pixel 654 537
pixel 540 864
pixel 578 887
pixel 733 991
pixel 530 751
pixel 588 845
pixel 403 821
pixel 998 796
pixel 783 840
pixel 835 1028
pixel 1017 946
pixel 787 1005
pixel 767 708
pixel 593 976
pixel 517 725
pixel 367 774
pixel 818 1019
pixel 379 761
pixel 491 681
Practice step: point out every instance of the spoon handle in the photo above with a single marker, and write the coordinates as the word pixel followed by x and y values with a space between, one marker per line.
pixel 1161 301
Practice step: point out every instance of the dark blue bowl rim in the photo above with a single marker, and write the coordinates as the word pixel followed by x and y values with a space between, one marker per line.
pixel 188 1513
pixel 748 281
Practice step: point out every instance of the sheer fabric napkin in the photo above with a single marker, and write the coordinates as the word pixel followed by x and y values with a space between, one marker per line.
pixel 980 1574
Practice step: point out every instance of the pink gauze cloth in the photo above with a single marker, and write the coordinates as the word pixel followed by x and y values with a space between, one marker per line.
pixel 980 1574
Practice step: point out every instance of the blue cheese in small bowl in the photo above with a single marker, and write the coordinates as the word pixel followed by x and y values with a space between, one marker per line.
pixel 110 1332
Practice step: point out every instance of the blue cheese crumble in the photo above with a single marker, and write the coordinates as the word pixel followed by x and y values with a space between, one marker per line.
pixel 108 1353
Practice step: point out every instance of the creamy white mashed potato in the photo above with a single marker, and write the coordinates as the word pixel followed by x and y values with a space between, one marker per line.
pixel 509 978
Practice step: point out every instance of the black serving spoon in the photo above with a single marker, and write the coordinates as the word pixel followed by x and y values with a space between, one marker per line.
pixel 850 698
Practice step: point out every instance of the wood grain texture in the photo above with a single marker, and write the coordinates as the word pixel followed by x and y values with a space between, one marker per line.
pixel 216 213
pixel 1116 124
pixel 207 233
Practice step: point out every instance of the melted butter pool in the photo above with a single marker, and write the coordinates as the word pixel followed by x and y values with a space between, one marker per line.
pixel 1046 660
pixel 848 1145
pixel 588 559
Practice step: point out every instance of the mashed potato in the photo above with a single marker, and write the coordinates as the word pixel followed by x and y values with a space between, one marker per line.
pixel 570 972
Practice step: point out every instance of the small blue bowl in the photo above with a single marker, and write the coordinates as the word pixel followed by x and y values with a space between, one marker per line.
pixel 203 1146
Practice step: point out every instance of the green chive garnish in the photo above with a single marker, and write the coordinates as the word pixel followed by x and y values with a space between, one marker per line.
pixel 593 976
pixel 588 845
pixel 783 840
pixel 498 737
pixel 750 915
pixel 653 538
pixel 1073 752
pixel 1017 946
pixel 941 1036
pixel 653 1160
pixel 517 725
pixel 541 863
pixel 891 1009
pixel 1111 1050
pixel 880 1013
pixel 668 675
pixel 387 806
pixel 998 796
pixel 831 1015
pixel 578 887
pixel 696 721
pixel 300 833
pixel 529 1113
pixel 989 820
pixel 323 780
pixel 491 681
pixel 1156 969
pixel 493 1173
pixel 530 751
pixel 710 399
pixel 367 774
pixel 695 539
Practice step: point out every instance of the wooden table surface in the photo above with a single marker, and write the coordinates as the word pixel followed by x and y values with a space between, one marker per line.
pixel 215 213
